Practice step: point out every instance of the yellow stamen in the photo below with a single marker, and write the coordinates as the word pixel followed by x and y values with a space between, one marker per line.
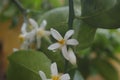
pixel 40 32
pixel 55 77
pixel 62 41
pixel 21 38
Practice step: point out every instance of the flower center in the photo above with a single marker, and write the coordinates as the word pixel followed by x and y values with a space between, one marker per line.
pixel 62 41
pixel 21 38
pixel 40 32
pixel 55 77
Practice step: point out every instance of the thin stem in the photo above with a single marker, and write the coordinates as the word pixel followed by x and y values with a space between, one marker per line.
pixel 19 5
pixel 66 66
pixel 71 14
pixel 21 8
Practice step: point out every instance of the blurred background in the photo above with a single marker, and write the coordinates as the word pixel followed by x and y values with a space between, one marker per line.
pixel 101 61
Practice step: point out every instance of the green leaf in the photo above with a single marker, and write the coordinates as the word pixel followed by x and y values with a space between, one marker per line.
pixel 101 13
pixel 25 65
pixel 78 76
pixel 57 19
pixel 84 34
pixel 106 69
pixel 84 65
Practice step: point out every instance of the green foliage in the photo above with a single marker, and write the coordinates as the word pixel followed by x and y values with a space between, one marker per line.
pixel 106 69
pixel 25 65
pixel 93 54
pixel 101 13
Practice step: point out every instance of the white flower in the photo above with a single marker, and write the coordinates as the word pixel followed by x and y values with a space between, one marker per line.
pixel 63 42
pixel 72 57
pixel 41 32
pixel 55 75
pixel 26 38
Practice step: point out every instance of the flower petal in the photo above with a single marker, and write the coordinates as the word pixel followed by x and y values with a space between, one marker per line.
pixel 65 53
pixel 72 57
pixel 72 42
pixel 23 28
pixel 54 70
pixel 33 23
pixel 65 77
pixel 42 75
pixel 54 46
pixel 68 34
pixel 43 24
pixel 56 34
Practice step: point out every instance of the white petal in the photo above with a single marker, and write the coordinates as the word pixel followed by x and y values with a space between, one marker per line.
pixel 72 42
pixel 33 23
pixel 54 46
pixel 56 34
pixel 72 57
pixel 68 34
pixel 54 70
pixel 43 24
pixel 65 77
pixel 23 28
pixel 38 42
pixel 65 53
pixel 42 75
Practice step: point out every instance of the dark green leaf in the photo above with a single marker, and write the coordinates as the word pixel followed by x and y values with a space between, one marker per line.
pixel 84 34
pixel 106 69
pixel 101 13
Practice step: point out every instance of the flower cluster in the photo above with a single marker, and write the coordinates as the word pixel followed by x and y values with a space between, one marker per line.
pixel 27 37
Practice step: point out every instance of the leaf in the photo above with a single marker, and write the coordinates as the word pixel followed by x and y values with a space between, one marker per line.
pixel 101 13
pixel 78 76
pixel 56 18
pixel 106 69
pixel 25 65
pixel 84 34
pixel 84 65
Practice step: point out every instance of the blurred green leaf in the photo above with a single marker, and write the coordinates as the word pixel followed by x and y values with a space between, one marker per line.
pixel 25 65
pixel 85 34
pixel 106 69
pixel 101 13
pixel 56 3
pixel 84 66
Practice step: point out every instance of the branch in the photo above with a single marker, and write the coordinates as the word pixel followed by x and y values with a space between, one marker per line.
pixel 21 8
pixel 71 14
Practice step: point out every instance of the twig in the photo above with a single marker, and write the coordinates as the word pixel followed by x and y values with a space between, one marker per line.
pixel 21 8
pixel 71 14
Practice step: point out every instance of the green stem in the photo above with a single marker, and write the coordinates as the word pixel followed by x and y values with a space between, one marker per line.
pixel 71 14
pixel 21 8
